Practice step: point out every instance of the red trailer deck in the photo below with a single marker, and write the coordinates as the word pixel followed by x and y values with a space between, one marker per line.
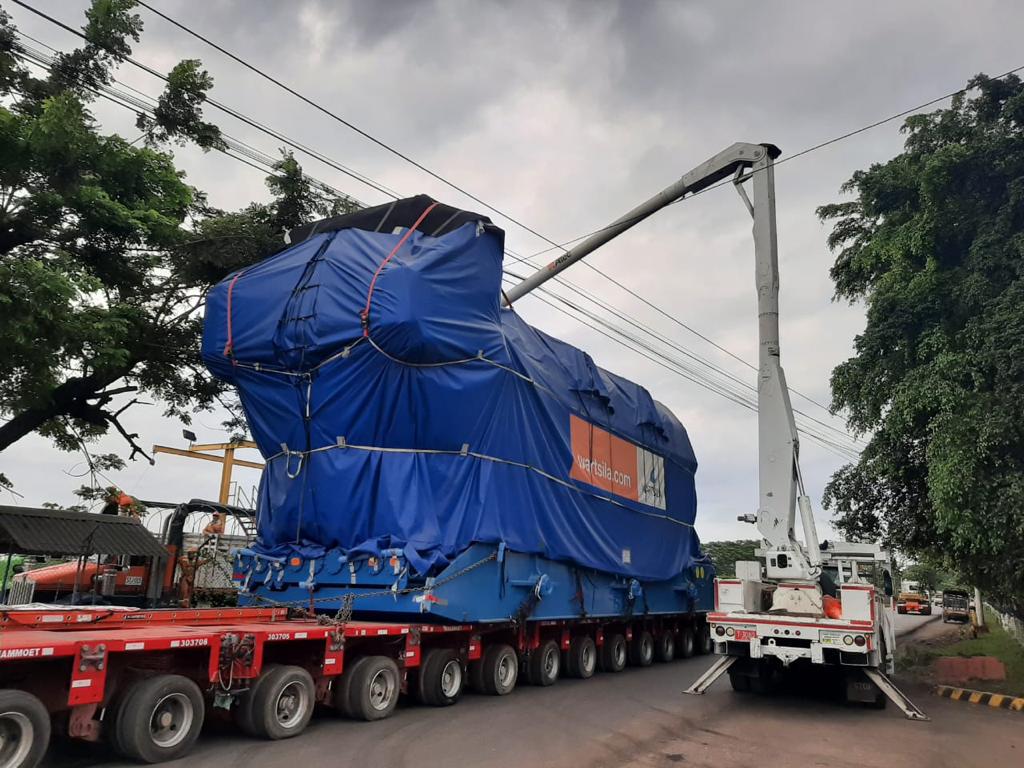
pixel 144 680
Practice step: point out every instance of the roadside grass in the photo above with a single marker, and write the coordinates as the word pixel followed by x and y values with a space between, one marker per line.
pixel 916 658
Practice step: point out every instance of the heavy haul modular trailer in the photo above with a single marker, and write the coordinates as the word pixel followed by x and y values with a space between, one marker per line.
pixel 143 681
pixel 484 583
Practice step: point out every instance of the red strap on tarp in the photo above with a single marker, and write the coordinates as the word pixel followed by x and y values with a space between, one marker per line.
pixel 231 288
pixel 364 316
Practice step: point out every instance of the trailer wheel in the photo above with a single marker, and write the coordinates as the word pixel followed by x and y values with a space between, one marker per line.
pixel 687 643
pixel 641 650
pixel 581 658
pixel 280 704
pixel 665 647
pixel 375 686
pixel 499 669
pixel 544 664
pixel 441 678
pixel 613 653
pixel 705 644
pixel 476 675
pixel 341 690
pixel 24 729
pixel 739 682
pixel 159 718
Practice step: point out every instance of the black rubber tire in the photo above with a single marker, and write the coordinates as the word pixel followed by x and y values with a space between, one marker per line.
pixel 27 713
pixel 110 719
pixel 441 678
pixel 705 644
pixel 764 680
pixel 544 665
pixel 267 711
pixel 881 701
pixel 641 650
pixel 686 646
pixel 243 712
pixel 499 670
pixel 739 682
pixel 476 675
pixel 581 658
pixel 134 737
pixel 614 653
pixel 374 688
pixel 665 647
pixel 341 690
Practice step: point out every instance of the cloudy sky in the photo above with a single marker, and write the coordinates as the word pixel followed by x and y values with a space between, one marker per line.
pixel 565 115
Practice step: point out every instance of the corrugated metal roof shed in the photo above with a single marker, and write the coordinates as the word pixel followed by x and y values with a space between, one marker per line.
pixel 30 531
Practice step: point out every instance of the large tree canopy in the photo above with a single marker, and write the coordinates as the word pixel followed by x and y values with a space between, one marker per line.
pixel 933 243
pixel 106 253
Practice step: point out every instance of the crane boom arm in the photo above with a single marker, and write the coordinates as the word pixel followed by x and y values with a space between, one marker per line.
pixel 721 166
pixel 779 482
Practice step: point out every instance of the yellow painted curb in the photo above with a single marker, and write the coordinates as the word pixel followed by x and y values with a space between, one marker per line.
pixel 994 700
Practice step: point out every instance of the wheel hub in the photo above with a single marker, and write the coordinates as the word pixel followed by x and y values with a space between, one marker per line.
pixel 15 738
pixel 291 705
pixel 587 658
pixel 505 671
pixel 451 678
pixel 381 690
pixel 171 720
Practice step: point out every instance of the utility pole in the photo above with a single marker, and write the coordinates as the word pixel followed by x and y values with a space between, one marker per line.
pixel 979 609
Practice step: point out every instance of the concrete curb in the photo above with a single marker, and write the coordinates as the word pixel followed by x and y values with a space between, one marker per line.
pixel 995 700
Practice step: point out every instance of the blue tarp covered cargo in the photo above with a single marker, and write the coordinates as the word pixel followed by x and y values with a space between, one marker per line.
pixel 399 406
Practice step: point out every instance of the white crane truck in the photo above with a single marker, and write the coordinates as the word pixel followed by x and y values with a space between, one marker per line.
pixel 805 602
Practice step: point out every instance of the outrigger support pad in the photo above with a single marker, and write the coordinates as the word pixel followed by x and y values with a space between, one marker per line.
pixel 716 670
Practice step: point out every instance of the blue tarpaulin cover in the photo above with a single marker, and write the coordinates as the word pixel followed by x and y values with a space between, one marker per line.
pixel 409 410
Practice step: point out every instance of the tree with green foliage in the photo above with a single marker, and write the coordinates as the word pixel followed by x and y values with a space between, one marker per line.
pixel 724 554
pixel 933 244
pixel 106 253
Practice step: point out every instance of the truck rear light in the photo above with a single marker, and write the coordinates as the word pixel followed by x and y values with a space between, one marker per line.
pixel 719 630
pixel 859 641
pixel 730 632
pixel 847 640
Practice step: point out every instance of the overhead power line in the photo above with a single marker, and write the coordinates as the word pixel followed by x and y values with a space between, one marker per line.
pixel 554 245
pixel 355 175
pixel 265 164
pixel 376 185
pixel 144 104
pixel 673 365
pixel 721 372
pixel 319 156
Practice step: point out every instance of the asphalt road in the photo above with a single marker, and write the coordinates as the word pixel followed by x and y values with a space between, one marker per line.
pixel 639 718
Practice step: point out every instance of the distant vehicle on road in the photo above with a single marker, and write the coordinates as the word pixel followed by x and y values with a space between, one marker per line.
pixel 956 606
pixel 913 602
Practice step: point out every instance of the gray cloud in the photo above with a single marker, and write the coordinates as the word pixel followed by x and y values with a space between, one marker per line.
pixel 566 114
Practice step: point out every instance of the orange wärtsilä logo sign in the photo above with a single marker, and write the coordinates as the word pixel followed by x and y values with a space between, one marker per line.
pixel 618 466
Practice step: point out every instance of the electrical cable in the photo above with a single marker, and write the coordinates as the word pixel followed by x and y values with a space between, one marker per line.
pixel 375 185
pixel 128 102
